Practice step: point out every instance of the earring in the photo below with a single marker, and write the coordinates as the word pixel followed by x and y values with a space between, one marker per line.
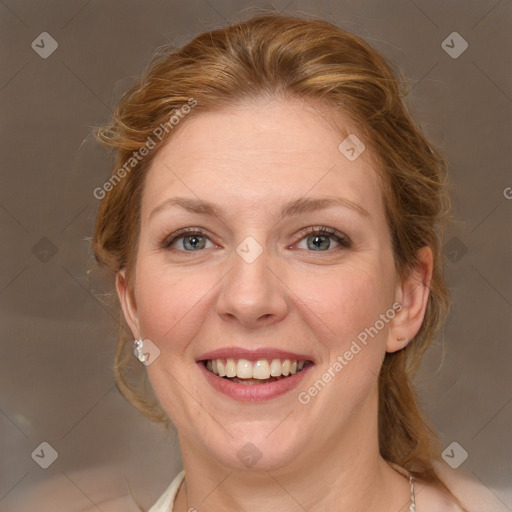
pixel 404 340
pixel 138 350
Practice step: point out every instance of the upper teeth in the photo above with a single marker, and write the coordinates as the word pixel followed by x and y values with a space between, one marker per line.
pixel 260 369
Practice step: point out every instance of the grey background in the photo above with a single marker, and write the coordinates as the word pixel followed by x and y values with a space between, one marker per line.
pixel 58 336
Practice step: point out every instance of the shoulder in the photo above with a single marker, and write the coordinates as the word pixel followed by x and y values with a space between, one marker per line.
pixel 106 490
pixel 473 496
pixel 433 499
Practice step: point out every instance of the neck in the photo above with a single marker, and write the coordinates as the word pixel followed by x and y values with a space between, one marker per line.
pixel 345 473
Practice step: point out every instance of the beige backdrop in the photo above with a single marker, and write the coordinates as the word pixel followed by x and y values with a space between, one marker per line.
pixel 58 338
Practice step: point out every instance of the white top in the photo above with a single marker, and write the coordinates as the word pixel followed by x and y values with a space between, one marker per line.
pixel 480 497
pixel 166 502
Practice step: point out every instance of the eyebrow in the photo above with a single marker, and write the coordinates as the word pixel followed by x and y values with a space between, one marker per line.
pixel 295 207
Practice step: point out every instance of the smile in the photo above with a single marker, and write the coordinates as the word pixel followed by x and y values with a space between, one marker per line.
pixel 264 387
pixel 261 371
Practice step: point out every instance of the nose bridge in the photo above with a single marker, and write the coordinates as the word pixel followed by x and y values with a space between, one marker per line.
pixel 251 291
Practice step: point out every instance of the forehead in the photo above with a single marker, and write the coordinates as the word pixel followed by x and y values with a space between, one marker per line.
pixel 260 153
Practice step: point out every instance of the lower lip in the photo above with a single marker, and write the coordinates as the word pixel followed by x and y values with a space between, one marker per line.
pixel 254 392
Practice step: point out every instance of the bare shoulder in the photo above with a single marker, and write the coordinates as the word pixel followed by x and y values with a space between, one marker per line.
pixel 473 496
pixel 432 499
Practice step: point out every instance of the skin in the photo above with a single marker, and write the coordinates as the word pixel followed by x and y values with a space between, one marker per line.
pixel 250 160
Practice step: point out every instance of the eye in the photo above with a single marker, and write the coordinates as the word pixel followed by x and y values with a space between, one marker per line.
pixel 193 238
pixel 317 238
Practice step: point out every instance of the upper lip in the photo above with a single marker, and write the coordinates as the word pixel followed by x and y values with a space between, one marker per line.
pixel 252 355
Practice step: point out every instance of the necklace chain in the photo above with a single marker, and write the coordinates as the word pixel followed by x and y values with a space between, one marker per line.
pixel 412 508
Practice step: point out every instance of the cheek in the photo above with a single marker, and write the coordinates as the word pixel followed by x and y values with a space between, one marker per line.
pixel 346 301
pixel 169 303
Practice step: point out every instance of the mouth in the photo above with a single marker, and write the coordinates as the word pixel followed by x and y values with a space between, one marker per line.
pixel 260 371
pixel 256 375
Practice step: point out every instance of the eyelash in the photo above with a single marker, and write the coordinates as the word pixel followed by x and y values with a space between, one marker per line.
pixel 342 239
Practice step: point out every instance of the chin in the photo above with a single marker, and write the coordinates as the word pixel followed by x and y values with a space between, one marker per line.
pixel 259 447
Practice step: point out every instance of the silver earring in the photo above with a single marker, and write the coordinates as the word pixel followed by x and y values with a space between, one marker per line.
pixel 138 351
pixel 403 340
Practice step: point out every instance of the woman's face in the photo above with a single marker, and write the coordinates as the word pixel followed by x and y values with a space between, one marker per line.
pixel 249 279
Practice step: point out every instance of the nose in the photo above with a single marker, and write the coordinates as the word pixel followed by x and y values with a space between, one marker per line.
pixel 253 293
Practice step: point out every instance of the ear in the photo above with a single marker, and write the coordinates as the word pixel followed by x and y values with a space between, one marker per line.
pixel 412 294
pixel 128 304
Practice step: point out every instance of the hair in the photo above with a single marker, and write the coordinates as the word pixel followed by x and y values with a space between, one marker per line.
pixel 288 57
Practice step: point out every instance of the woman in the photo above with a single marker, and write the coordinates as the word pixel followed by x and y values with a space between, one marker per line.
pixel 274 222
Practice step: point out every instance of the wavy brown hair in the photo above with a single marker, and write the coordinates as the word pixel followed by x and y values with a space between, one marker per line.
pixel 280 56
